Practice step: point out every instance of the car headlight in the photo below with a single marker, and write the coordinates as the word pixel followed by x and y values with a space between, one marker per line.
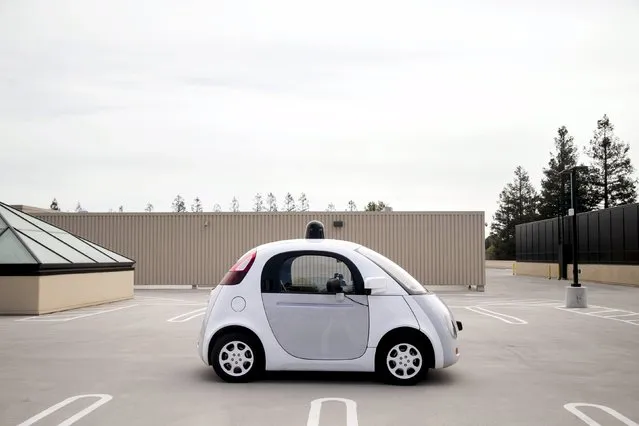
pixel 454 328
pixel 449 319
pixel 450 324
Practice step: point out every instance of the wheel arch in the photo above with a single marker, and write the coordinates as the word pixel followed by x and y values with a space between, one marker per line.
pixel 234 329
pixel 413 334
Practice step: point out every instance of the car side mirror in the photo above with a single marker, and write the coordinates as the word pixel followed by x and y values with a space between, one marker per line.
pixel 376 284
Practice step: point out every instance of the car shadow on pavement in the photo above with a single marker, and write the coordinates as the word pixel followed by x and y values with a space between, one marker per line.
pixel 434 378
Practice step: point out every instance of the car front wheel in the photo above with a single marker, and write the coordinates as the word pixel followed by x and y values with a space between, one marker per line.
pixel 237 357
pixel 402 362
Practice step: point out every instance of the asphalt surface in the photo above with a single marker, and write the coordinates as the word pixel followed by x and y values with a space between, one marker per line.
pixel 523 359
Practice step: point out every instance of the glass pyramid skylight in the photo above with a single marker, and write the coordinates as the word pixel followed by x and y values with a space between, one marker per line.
pixel 27 240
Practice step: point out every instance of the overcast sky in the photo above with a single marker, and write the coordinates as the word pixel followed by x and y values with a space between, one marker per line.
pixel 420 104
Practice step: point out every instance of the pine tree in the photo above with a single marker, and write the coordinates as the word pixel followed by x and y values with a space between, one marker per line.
pixel 271 202
pixel 289 202
pixel 351 206
pixel 235 205
pixel 303 202
pixel 331 207
pixel 258 204
pixel 565 157
pixel 196 207
pixel 610 180
pixel 373 206
pixel 178 204
pixel 518 204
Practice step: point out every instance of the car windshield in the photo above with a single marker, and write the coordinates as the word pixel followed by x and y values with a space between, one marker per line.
pixel 399 274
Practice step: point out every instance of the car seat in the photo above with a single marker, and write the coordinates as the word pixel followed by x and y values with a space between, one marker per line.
pixel 334 286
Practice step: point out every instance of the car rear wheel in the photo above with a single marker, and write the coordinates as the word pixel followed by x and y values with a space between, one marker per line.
pixel 237 358
pixel 402 361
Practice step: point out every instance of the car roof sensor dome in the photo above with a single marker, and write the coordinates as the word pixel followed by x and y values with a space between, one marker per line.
pixel 314 230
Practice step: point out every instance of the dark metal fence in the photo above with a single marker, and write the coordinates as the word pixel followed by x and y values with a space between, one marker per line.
pixel 609 236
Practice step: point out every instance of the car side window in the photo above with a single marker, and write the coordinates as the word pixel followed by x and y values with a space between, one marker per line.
pixel 316 274
pixel 310 273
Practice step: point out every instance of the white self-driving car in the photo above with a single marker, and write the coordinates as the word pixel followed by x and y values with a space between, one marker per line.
pixel 318 304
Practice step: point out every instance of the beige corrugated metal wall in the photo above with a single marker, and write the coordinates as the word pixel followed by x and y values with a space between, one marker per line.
pixel 438 248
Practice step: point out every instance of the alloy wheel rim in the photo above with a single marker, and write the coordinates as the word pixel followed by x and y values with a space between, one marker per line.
pixel 404 361
pixel 236 358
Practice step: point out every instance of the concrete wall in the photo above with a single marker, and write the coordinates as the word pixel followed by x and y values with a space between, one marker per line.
pixel 36 295
pixel 60 292
pixel 19 295
pixel 500 264
pixel 609 274
pixel 438 248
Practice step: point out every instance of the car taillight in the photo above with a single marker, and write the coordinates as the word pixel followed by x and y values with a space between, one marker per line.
pixel 236 274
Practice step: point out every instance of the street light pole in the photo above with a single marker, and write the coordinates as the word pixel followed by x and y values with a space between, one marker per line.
pixel 560 226
pixel 575 235
pixel 576 296
pixel 561 236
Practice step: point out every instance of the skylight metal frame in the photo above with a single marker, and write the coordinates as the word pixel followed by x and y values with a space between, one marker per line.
pixel 26 218
pixel 39 243
pixel 17 234
pixel 40 268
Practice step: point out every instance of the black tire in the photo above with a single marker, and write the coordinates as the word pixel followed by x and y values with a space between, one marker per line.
pixel 244 355
pixel 415 367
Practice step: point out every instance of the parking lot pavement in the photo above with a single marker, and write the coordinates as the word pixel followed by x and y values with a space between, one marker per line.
pixel 524 361
pixel 501 283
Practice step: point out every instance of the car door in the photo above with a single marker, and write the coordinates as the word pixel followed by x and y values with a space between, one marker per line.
pixel 308 318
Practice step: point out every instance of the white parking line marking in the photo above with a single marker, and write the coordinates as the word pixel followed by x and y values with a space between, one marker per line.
pixel 316 408
pixel 497 315
pixel 458 302
pixel 525 301
pixel 174 304
pixel 187 316
pixel 572 407
pixel 620 315
pixel 104 398
pixel 161 298
pixel 191 317
pixel 68 316
pixel 102 312
pixel 521 303
pixel 504 302
pixel 603 312
pixel 466 295
pixel 604 309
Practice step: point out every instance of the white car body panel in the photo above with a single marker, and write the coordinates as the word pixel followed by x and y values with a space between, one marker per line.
pixel 388 313
pixel 388 309
pixel 435 317
pixel 427 328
